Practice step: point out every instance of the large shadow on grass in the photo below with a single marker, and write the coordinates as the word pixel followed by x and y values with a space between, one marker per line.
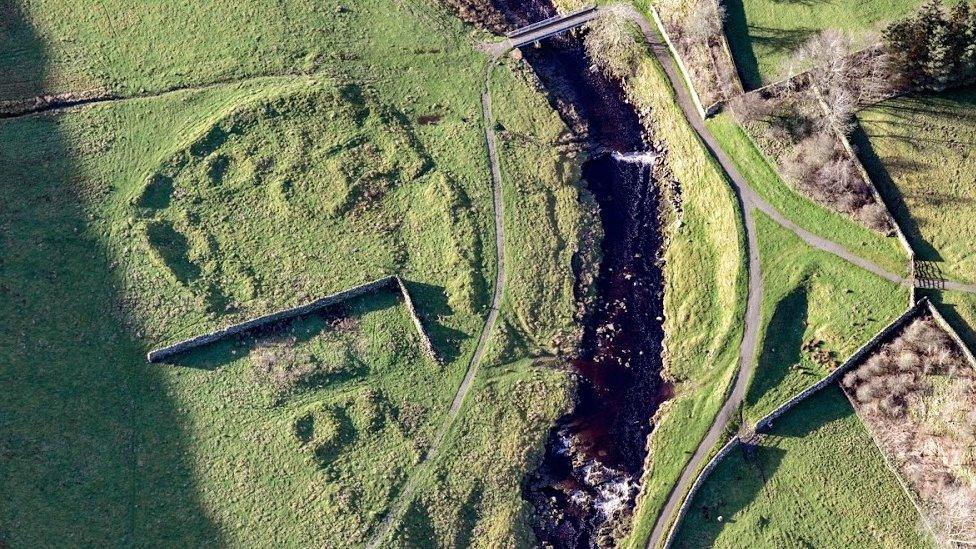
pixel 432 305
pixel 733 486
pixel 902 112
pixel 782 344
pixel 952 316
pixel 93 451
pixel 741 481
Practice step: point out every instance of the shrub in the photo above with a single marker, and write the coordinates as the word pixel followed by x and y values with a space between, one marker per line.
pixel 612 46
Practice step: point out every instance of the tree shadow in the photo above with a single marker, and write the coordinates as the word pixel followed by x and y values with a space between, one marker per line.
pixel 780 40
pixel 93 449
pixel 892 195
pixel 731 488
pixel 23 55
pixel 826 406
pixel 782 344
pixel 739 481
pixel 737 31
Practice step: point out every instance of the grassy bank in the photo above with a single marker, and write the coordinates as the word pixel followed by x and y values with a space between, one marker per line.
pixel 919 150
pixel 817 479
pixel 816 311
pixel 959 309
pixel 705 290
pixel 885 251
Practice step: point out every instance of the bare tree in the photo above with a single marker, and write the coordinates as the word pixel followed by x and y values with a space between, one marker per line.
pixel 612 47
pixel 704 21
pixel 829 55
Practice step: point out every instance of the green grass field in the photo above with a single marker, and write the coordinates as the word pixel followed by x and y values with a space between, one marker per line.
pixel 919 148
pixel 763 34
pixel 817 310
pixel 138 222
pixel 817 480
pixel 762 176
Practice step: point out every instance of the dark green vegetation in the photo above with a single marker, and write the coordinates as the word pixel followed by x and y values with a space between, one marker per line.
pixel 816 480
pixel 142 221
pixel 919 149
pixel 935 48
pixel 763 34
pixel 817 310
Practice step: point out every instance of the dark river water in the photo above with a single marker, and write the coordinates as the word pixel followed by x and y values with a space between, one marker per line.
pixel 586 484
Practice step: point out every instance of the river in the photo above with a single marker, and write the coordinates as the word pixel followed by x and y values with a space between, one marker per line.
pixel 584 490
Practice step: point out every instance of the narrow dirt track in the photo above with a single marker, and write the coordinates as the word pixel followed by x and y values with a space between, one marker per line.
pixel 399 504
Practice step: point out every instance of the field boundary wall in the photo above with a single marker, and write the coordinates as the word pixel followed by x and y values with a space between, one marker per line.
pixel 393 282
pixel 767 421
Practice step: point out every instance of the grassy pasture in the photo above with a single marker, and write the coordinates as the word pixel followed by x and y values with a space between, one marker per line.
pixel 919 149
pixel 959 310
pixel 816 480
pixel 762 176
pixel 816 311
pixel 130 47
pixel 763 34
pixel 143 221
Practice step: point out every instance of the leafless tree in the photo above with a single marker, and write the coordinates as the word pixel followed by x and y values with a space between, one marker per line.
pixel 829 56
pixel 612 46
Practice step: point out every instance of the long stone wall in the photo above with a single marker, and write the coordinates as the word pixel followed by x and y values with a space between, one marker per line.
pixel 732 444
pixel 677 59
pixel 766 422
pixel 424 339
pixel 391 282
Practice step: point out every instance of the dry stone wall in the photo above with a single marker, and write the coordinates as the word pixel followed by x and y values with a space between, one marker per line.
pixel 686 504
pixel 388 282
